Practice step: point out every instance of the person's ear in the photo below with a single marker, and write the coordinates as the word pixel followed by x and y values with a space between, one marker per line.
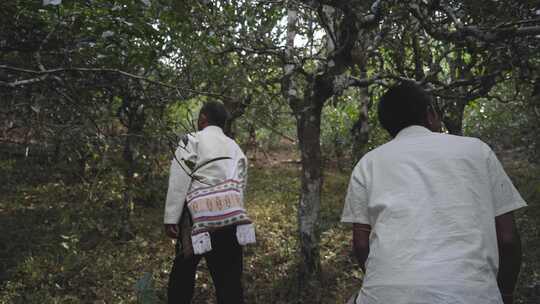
pixel 202 122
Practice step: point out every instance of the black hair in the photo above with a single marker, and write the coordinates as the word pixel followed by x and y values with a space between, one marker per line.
pixel 215 113
pixel 403 105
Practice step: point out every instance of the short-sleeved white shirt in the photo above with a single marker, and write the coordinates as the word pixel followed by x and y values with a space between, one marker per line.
pixel 431 200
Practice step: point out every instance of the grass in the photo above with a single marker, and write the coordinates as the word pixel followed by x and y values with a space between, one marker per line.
pixel 60 242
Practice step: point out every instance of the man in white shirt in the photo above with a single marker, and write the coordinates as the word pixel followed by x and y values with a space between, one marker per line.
pixel 207 179
pixel 431 213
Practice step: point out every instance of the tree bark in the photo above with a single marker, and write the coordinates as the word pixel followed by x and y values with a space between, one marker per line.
pixel 535 113
pixel 132 117
pixel 453 117
pixel 309 130
pixel 236 109
pixel 251 144
pixel 229 129
pixel 360 129
pixel 306 93
pixel 126 232
pixel 308 110
pixel 453 110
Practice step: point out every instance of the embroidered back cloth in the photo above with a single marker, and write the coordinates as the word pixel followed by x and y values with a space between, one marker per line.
pixel 216 206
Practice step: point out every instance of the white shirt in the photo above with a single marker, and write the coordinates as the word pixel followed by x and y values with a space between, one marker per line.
pixel 200 149
pixel 431 200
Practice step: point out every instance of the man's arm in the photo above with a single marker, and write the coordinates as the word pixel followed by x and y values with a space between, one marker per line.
pixel 355 211
pixel 509 244
pixel 361 243
pixel 179 183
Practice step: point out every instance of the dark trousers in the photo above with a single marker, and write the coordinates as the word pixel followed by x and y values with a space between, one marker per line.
pixel 225 264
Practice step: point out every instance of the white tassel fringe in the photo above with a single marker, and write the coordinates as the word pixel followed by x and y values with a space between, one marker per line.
pixel 245 234
pixel 201 243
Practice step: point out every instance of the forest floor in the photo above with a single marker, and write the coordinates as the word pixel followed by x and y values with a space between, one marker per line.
pixel 59 240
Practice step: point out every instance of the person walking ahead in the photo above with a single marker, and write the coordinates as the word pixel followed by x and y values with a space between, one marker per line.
pixel 432 213
pixel 208 176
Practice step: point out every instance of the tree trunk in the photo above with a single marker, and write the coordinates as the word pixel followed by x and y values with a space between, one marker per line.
pixel 309 129
pixel 360 132
pixel 236 109
pixel 83 157
pixel 132 117
pixel 251 145
pixel 535 117
pixel 307 102
pixel 453 117
pixel 360 129
pixel 126 232
pixel 338 151
pixel 229 129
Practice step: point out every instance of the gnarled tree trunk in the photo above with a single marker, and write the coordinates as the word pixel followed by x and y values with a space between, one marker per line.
pixel 453 116
pixel 306 93
pixel 308 110
pixel 360 129
pixel 309 130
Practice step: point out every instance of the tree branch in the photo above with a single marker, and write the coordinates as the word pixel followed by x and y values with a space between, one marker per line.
pixel 462 32
pixel 44 74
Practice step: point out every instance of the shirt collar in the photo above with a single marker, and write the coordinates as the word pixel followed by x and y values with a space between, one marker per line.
pixel 413 131
pixel 213 129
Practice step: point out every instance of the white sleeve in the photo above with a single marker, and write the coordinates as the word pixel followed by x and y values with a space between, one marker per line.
pixel 506 198
pixel 179 180
pixel 356 201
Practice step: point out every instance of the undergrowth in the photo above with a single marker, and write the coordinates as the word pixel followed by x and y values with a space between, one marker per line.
pixel 60 242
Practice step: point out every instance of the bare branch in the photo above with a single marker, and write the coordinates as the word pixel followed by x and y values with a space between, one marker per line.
pixel 365 82
pixel 324 14
pixel 270 128
pixel 37 55
pixel 23 82
pixel 96 70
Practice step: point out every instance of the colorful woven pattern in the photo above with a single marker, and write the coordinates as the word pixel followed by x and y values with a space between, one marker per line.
pixel 217 206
